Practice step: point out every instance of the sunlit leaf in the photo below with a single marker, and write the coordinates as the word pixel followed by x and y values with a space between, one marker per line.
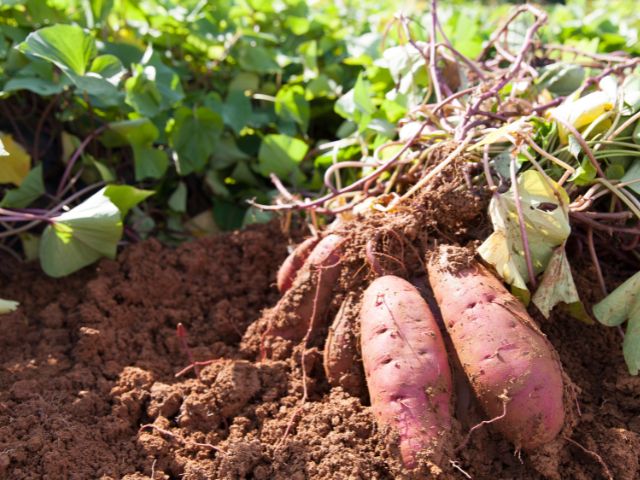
pixel 580 112
pixel 125 197
pixel 81 236
pixel 291 105
pixel 66 46
pixel 280 154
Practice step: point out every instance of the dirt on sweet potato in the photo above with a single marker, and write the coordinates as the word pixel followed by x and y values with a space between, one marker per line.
pixel 88 363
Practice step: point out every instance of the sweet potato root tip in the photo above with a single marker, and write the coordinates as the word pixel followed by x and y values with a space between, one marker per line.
pixel 293 263
pixel 406 368
pixel 501 349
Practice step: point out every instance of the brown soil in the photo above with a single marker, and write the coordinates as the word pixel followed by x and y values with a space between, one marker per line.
pixel 88 386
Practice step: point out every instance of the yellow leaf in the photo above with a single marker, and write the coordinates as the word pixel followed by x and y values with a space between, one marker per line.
pixel 580 112
pixel 503 133
pixel 14 167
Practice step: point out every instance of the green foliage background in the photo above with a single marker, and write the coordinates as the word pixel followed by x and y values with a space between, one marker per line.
pixel 200 101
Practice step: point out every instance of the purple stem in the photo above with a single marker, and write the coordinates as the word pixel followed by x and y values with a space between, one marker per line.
pixel 350 188
pixel 74 158
pixel 522 224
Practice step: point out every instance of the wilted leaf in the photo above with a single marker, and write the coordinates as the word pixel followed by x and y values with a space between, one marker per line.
pixel 620 305
pixel 8 306
pixel 15 166
pixel 557 284
pixel 546 218
pixel 501 134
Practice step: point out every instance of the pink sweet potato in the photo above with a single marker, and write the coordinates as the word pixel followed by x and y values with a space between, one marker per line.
pixel 307 299
pixel 510 363
pixel 293 263
pixel 406 368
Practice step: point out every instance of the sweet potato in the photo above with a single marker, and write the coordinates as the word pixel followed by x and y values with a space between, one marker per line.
pixel 294 262
pixel 510 363
pixel 406 368
pixel 342 364
pixel 307 299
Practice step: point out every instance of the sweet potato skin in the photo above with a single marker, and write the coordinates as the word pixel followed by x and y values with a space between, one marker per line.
pixel 293 263
pixel 406 368
pixel 342 364
pixel 511 365
pixel 313 285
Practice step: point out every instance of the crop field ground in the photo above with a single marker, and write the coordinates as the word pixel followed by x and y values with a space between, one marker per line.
pixel 319 240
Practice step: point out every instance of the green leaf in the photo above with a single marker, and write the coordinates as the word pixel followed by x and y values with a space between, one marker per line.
pixel 258 59
pixel 633 175
pixel 81 236
pixel 620 305
pixel 237 110
pixel 152 89
pixel 216 184
pixel 228 215
pixel 149 162
pixel 30 246
pixel 140 133
pixel 227 154
pixel 194 137
pixel 125 197
pixel 545 211
pixel 280 154
pixel 29 190
pixel 36 85
pixel 362 95
pixel 66 46
pixel 557 284
pixel 178 199
pixel 8 306
pixel 291 105
pixel 100 91
pixel 256 215
pixel 109 67
pixel 245 81
pixel 561 78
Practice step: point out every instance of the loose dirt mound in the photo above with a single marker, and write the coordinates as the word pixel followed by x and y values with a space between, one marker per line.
pixel 87 385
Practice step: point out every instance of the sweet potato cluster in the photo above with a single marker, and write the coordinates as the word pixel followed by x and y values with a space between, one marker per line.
pixel 512 368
